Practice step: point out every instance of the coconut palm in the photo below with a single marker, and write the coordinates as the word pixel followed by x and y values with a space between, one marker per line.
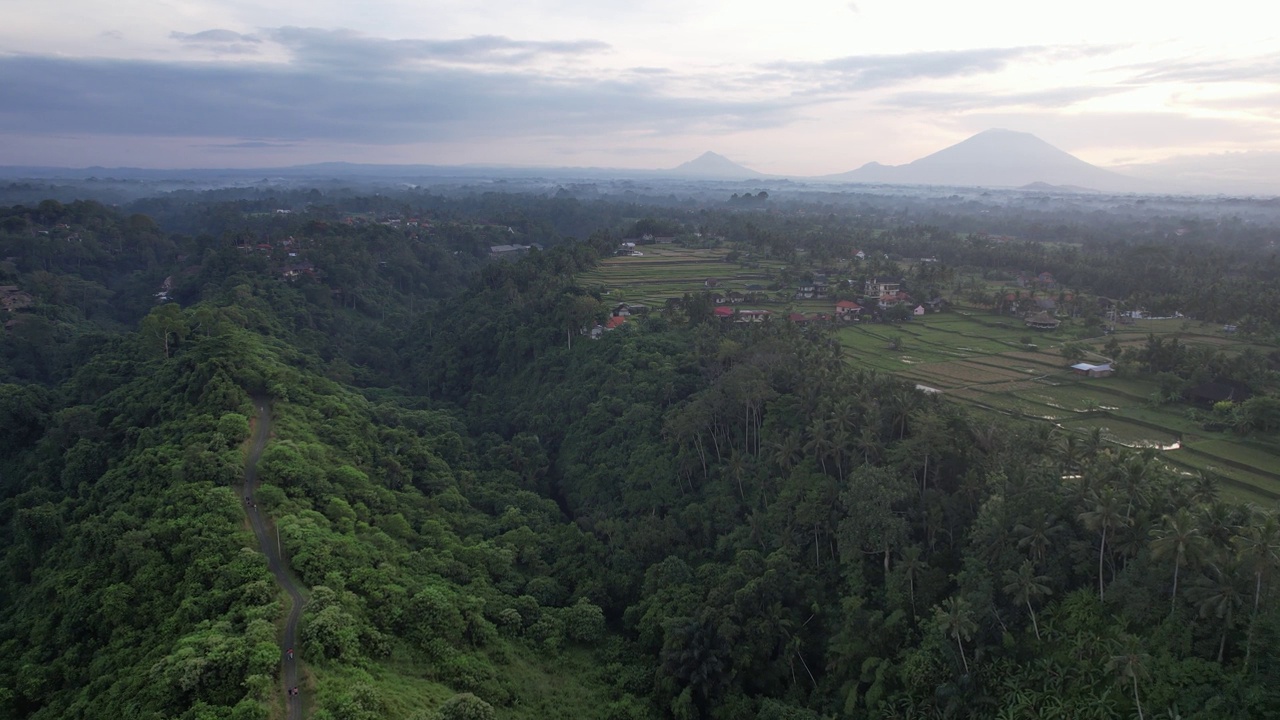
pixel 1038 534
pixel 1024 585
pixel 1259 551
pixel 1220 596
pixel 1178 536
pixel 1104 517
pixel 912 566
pixel 1259 548
pixel 955 618
pixel 1130 665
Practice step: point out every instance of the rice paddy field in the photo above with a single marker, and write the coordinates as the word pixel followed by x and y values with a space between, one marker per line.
pixel 670 271
pixel 981 359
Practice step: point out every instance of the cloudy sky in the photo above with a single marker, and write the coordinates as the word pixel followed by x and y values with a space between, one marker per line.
pixel 803 87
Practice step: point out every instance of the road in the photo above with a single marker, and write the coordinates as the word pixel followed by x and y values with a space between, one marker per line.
pixel 269 541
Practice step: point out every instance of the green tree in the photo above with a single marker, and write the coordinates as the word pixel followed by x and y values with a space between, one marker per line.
pixel 465 706
pixel 1024 585
pixel 955 619
pixel 1178 536
pixel 1103 517
pixel 1130 664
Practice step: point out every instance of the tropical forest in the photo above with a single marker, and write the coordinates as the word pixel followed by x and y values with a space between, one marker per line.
pixel 487 453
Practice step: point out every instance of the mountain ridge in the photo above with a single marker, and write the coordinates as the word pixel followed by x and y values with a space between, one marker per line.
pixel 998 158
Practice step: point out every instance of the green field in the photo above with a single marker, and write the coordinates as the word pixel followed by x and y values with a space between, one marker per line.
pixel 980 359
pixel 669 271
pixel 983 360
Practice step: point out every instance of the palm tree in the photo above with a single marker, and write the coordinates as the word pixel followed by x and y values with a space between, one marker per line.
pixel 1134 476
pixel 912 565
pixel 1219 522
pixel 955 618
pixel 1178 536
pixel 1023 585
pixel 738 466
pixel 1259 548
pixel 1220 596
pixel 788 452
pixel 820 443
pixel 1204 489
pixel 1130 664
pixel 1038 535
pixel 1103 518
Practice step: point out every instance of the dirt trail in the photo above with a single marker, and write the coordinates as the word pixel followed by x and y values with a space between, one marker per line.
pixel 269 542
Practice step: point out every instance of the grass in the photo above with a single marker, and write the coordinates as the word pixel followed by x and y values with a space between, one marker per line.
pixel 567 686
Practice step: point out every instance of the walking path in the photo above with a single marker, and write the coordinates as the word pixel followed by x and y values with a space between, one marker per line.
pixel 270 544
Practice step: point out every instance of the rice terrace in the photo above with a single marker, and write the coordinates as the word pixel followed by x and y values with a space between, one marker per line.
pixel 973 356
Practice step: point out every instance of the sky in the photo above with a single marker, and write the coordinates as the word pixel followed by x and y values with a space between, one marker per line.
pixel 806 87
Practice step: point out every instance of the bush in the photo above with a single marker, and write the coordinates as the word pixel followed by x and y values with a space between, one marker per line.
pixel 465 706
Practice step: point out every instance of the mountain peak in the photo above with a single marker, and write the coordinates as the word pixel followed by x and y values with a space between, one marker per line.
pixel 997 157
pixel 714 165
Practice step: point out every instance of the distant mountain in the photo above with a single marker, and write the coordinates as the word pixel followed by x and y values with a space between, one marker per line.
pixel 998 158
pixel 714 166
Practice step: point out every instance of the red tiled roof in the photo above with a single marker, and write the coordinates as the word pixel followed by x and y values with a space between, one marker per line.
pixel 848 304
pixel 614 322
pixel 722 312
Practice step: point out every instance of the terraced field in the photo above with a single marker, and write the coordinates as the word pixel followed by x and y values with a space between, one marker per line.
pixel 669 271
pixel 981 359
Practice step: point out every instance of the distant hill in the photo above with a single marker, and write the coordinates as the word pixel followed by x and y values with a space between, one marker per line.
pixel 998 158
pixel 714 166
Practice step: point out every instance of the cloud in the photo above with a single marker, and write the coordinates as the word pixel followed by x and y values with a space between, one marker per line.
pixel 344 48
pixel 220 42
pixel 954 101
pixel 370 101
pixel 866 72
pixel 1261 68
pixel 248 145
pixel 214 36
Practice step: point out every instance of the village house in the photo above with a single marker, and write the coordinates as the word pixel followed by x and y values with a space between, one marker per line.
pixel 752 316
pixel 507 252
pixel 848 310
pixel 297 270
pixel 888 300
pixel 878 287
pixel 1091 370
pixel 629 309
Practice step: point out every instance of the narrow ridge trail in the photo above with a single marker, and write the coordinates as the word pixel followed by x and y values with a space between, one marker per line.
pixel 270 547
